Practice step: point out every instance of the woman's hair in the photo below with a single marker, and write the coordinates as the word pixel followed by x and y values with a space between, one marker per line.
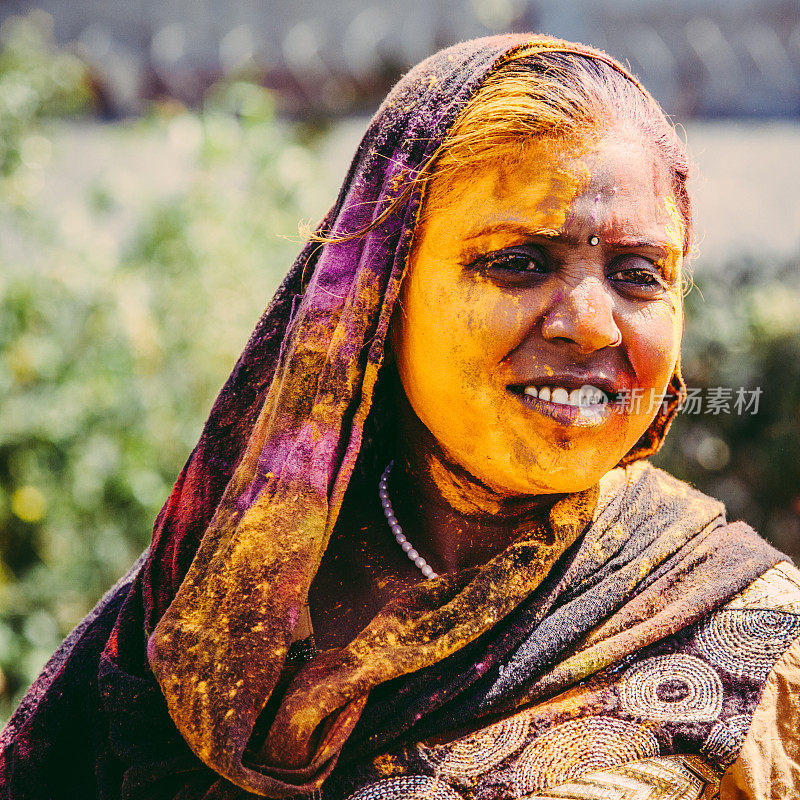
pixel 567 95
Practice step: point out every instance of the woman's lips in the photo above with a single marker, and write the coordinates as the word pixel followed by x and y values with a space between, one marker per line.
pixel 576 407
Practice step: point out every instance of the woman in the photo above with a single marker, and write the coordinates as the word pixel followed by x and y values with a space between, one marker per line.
pixel 464 357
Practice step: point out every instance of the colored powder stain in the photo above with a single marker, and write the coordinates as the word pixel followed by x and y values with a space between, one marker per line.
pixel 675 228
pixel 553 212
pixel 386 765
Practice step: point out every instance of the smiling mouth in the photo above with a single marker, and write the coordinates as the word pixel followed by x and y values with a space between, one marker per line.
pixel 585 396
pixel 586 405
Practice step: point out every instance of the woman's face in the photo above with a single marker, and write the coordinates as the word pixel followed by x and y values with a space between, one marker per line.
pixel 534 276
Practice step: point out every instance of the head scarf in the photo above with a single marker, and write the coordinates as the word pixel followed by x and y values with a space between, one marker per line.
pixel 242 535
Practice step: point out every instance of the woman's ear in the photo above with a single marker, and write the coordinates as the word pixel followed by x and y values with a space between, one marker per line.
pixel 652 439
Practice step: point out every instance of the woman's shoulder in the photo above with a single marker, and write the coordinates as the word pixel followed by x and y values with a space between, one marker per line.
pixel 777 589
pixel 639 501
pixel 643 495
pixel 642 474
pixel 643 482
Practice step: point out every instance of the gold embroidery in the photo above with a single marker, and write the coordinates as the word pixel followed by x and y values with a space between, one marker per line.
pixel 669 778
pixel 578 747
pixel 407 787
pixel 747 642
pixel 726 738
pixel 778 588
pixel 479 752
pixel 673 687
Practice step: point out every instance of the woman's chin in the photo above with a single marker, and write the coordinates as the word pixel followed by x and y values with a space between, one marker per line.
pixel 570 482
pixel 548 465
pixel 557 472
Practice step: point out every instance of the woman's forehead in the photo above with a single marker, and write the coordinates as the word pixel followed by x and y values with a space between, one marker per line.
pixel 614 187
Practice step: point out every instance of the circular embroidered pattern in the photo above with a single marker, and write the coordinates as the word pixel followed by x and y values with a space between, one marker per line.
pixel 676 687
pixel 747 643
pixel 406 787
pixel 578 747
pixel 477 753
pixel 726 738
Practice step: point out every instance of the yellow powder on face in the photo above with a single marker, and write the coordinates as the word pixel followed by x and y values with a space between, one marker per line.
pixel 508 196
pixel 463 334
pixel 675 229
pixel 460 493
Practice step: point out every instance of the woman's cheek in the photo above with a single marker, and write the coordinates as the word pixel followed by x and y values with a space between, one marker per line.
pixel 467 318
pixel 654 344
pixel 493 319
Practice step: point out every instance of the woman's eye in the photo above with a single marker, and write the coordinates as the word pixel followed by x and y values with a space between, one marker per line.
pixel 637 274
pixel 641 276
pixel 514 263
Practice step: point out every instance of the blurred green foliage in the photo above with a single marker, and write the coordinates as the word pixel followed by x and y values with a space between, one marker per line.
pixel 129 284
pixel 126 295
pixel 37 80
pixel 743 331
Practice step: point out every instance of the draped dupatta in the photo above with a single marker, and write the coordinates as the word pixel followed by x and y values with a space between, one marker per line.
pixel 290 420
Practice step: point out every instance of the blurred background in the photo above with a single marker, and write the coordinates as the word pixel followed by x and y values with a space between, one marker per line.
pixel 155 160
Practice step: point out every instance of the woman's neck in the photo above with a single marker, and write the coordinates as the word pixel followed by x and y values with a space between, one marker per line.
pixel 453 519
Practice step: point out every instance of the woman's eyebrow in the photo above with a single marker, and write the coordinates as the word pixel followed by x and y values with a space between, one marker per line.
pixel 515 228
pixel 634 242
pixel 622 242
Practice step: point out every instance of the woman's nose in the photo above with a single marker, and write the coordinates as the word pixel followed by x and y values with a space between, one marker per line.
pixel 582 314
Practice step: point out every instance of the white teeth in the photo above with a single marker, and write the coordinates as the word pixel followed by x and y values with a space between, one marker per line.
pixel 586 396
